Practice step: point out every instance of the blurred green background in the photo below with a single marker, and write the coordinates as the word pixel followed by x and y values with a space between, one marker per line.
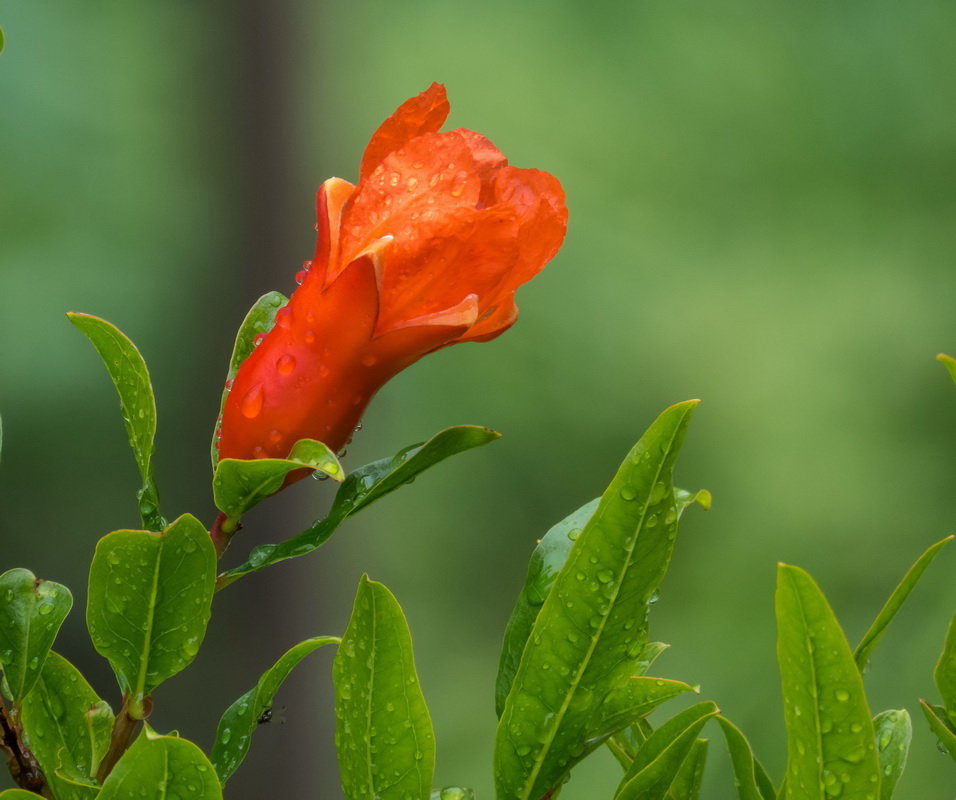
pixel 762 203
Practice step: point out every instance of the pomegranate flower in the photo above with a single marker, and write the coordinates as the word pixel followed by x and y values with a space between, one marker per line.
pixel 425 251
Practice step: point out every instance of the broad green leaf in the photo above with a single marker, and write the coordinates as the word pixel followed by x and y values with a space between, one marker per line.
pixel 940 726
pixel 130 376
pixel 383 733
pixel 895 602
pixel 751 779
pixel 945 673
pixel 67 727
pixel 686 785
pixel 658 762
pixel 258 322
pixel 363 487
pixel 19 794
pixel 830 737
pixel 241 719
pixel 453 793
pixel 31 612
pixel 894 730
pixel 149 603
pixel 162 768
pixel 949 362
pixel 592 628
pixel 239 484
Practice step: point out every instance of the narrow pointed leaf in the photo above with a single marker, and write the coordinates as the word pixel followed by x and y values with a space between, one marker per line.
pixel 239 722
pixel 258 322
pixel 363 487
pixel 453 793
pixel 894 730
pixel 161 768
pixel 31 612
pixel 949 362
pixel 830 738
pixel 129 374
pixel 240 484
pixel 592 628
pixel 660 759
pixel 749 776
pixel 383 733
pixel 67 728
pixel 940 726
pixel 895 602
pixel 945 673
pixel 149 603
pixel 633 699
pixel 687 782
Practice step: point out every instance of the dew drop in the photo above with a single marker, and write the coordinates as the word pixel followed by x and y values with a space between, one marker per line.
pixel 842 695
pixel 309 337
pixel 285 365
pixel 252 402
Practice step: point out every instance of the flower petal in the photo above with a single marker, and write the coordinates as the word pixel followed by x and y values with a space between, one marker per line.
pixel 330 198
pixel 424 113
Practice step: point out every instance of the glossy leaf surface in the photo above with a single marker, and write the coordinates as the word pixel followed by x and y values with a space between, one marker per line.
pixel 67 728
pixel 149 602
pixel 938 723
pixel 258 322
pixel 453 793
pixel 687 782
pixel 383 732
pixel 895 602
pixel 162 768
pixel 894 730
pixel 659 761
pixel 238 484
pixel 129 374
pixel 830 737
pixel 750 777
pixel 31 612
pixel 239 722
pixel 363 487
pixel 592 628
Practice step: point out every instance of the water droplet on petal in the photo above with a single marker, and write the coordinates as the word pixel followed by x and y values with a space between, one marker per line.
pixel 285 365
pixel 252 402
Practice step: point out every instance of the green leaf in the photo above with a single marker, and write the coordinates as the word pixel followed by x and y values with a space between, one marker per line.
pixel 894 730
pixel 940 726
pixel 686 785
pixel 453 793
pixel 830 737
pixel 128 371
pixel 241 719
pixel 149 603
pixel 19 794
pixel 751 779
pixel 238 484
pixel 949 362
pixel 67 727
pixel 945 673
pixel 383 733
pixel 162 768
pixel 592 628
pixel 258 322
pixel 895 602
pixel 363 487
pixel 658 762
pixel 31 612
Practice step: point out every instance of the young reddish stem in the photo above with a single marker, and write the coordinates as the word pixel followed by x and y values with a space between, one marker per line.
pixel 21 763
pixel 222 532
pixel 123 729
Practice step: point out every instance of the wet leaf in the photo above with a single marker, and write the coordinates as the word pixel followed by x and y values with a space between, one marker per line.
pixel 239 722
pixel 363 487
pixel 894 730
pixel 453 793
pixel 830 737
pixel 592 628
pixel 149 603
pixel 940 726
pixel 31 612
pixel 67 728
pixel 19 794
pixel 686 785
pixel 895 602
pixel 129 374
pixel 751 779
pixel 383 733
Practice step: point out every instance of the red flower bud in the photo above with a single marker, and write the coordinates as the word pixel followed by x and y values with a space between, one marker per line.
pixel 426 251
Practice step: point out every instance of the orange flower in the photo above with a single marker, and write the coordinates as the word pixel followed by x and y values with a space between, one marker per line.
pixel 426 251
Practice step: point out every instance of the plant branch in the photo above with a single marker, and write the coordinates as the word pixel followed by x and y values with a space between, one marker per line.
pixel 20 761
pixel 123 729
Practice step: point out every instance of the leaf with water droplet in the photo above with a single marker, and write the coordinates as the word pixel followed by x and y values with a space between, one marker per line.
pixel 829 725
pixel 240 484
pixel 241 719
pixel 366 681
pixel 366 485
pixel 161 768
pixel 942 728
pixel 556 712
pixel 453 793
pixel 67 728
pixel 149 602
pixel 129 374
pixel 894 730
pixel 31 612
